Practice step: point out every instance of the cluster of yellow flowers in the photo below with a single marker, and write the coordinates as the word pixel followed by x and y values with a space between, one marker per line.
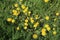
pixel 43 32
pixel 54 31
pixel 47 27
pixel 36 24
pixel 11 20
pixel 36 17
pixel 16 11
pixel 26 24
pixel 26 11
pixel 31 20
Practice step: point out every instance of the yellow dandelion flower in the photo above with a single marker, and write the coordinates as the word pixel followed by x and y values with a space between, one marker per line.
pixel 25 10
pixel 48 28
pixel 15 14
pixel 14 11
pixel 13 20
pixel 16 5
pixel 23 6
pixel 57 14
pixel 31 20
pixel 54 32
pixel 44 33
pixel 43 30
pixel 26 20
pixel 29 12
pixel 36 24
pixel 46 1
pixel 47 17
pixel 9 19
pixel 25 27
pixel 36 17
pixel 17 28
pixel 35 36
pixel 26 24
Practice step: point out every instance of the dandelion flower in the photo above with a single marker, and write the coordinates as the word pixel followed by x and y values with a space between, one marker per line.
pixel 43 30
pixel 25 10
pixel 26 24
pixel 31 20
pixel 29 12
pixel 26 20
pixel 14 11
pixel 57 14
pixel 18 28
pixel 35 36
pixel 36 24
pixel 54 32
pixel 9 19
pixel 46 1
pixel 36 17
pixel 13 20
pixel 47 17
pixel 48 28
pixel 25 27
pixel 44 33
pixel 16 5
pixel 23 6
